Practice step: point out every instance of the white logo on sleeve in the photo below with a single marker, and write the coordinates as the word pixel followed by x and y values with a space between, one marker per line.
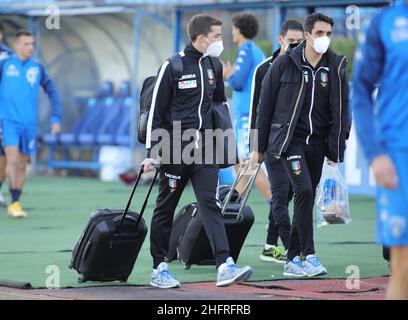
pixel 398 225
pixel 32 75
pixel 401 22
pixel 400 31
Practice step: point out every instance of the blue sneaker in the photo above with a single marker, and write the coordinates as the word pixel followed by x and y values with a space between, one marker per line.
pixel 313 267
pixel 162 278
pixel 229 273
pixel 294 268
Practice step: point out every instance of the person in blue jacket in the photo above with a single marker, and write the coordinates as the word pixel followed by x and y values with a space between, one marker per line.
pixel 5 52
pixel 20 79
pixel 239 76
pixel 382 127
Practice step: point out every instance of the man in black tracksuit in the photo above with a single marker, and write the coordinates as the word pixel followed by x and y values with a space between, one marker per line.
pixel 302 118
pixel 187 103
pixel 279 221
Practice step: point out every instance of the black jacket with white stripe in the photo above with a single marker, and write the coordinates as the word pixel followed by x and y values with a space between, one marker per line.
pixel 188 100
pixel 282 97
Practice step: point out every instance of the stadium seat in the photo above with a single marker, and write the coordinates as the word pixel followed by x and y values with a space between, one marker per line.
pixel 86 134
pixel 113 115
pixel 94 103
pixel 88 122
pixel 122 137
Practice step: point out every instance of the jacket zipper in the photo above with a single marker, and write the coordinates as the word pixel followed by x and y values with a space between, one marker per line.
pixel 201 101
pixel 341 107
pixel 294 112
pixel 312 102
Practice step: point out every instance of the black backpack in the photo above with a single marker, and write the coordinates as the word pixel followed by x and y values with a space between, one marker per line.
pixel 146 96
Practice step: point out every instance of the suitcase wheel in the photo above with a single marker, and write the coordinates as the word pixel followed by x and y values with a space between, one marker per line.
pixel 82 279
pixel 187 266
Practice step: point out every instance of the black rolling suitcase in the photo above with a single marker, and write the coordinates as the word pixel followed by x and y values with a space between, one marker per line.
pixel 183 217
pixel 180 223
pixel 194 246
pixel 110 243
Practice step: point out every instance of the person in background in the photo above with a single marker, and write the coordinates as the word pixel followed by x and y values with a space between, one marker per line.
pixel 382 128
pixel 239 76
pixel 5 52
pixel 20 78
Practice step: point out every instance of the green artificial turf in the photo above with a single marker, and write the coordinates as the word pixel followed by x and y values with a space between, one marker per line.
pixel 59 208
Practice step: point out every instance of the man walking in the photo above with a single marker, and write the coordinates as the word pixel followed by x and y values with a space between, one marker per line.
pixel 20 78
pixel 279 222
pixel 5 52
pixel 188 102
pixel 303 118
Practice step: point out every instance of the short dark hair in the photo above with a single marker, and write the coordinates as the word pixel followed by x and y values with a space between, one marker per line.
pixel 290 25
pixel 1 27
pixel 21 33
pixel 247 24
pixel 315 17
pixel 201 24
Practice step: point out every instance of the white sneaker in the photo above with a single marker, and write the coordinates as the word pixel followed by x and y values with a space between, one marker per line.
pixel 162 278
pixel 313 267
pixel 229 273
pixel 294 268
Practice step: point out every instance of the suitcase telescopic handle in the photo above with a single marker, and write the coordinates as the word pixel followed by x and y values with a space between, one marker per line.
pixel 141 171
pixel 243 197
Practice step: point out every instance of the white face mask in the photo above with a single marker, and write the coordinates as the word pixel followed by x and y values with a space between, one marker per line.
pixel 321 44
pixel 215 49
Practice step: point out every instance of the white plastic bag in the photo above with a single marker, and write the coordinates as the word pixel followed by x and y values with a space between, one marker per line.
pixel 332 197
